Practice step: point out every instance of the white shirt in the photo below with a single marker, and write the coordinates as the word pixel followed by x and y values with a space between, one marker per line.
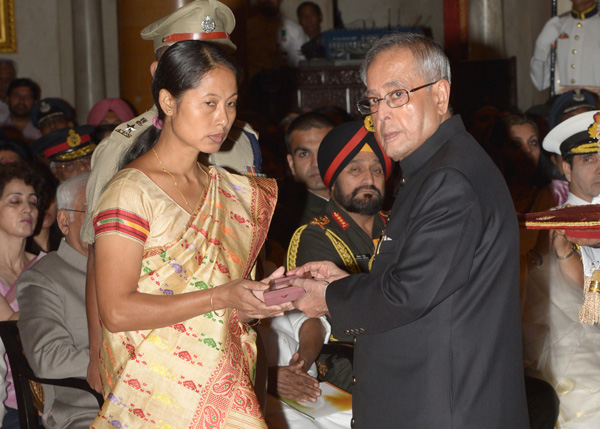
pixel 577 52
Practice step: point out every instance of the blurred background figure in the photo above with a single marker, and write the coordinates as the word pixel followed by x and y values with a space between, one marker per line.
pixel 107 114
pixel 8 73
pixel 527 170
pixel 51 114
pixel 13 151
pixel 22 94
pixel 310 18
pixel 69 151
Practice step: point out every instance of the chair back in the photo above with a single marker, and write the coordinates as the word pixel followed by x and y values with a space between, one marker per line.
pixel 22 374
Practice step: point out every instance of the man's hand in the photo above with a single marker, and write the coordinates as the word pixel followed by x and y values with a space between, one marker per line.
pixel 293 383
pixel 312 303
pixel 320 270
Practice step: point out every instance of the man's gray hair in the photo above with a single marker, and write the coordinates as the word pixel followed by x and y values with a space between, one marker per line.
pixel 68 190
pixel 426 51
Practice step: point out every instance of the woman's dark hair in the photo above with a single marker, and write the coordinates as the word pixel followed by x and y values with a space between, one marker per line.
pixel 46 195
pixel 180 69
pixel 25 171
pixel 17 146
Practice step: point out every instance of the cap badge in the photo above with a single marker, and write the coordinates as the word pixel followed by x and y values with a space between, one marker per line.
pixel 74 139
pixel 208 25
pixel 45 107
pixel 594 129
pixel 369 125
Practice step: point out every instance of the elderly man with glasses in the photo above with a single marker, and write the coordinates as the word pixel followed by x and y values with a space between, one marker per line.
pixel 52 322
pixel 436 322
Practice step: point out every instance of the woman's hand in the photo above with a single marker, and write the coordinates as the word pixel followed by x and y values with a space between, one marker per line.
pixel 246 297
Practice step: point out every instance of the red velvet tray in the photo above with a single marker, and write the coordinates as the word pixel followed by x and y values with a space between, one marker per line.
pixel 577 221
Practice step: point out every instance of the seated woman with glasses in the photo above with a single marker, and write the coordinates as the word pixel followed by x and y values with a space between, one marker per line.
pixel 175 242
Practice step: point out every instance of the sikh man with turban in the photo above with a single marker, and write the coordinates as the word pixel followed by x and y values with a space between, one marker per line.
pixel 354 167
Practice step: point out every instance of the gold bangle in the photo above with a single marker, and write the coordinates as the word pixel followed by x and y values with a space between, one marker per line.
pixel 567 256
pixel 257 322
pixel 212 305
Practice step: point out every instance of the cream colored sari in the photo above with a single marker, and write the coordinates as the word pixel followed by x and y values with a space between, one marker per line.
pixel 197 373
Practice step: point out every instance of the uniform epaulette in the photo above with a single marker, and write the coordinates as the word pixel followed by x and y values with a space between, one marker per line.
pixel 130 130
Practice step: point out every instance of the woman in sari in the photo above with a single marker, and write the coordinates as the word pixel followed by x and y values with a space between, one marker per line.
pixel 174 243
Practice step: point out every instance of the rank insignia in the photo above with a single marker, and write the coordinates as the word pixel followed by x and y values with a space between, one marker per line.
pixel 74 139
pixel 208 25
pixel 340 220
pixel 369 125
pixel 45 107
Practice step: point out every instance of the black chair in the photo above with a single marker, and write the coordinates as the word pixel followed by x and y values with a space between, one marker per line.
pixel 22 374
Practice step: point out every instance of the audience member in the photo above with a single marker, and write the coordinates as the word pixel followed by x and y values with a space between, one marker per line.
pixel 302 140
pixel 566 106
pixel 69 151
pixel 107 114
pixel 13 151
pixel 354 168
pixel 274 46
pixel 47 235
pixel 22 94
pixel 110 111
pixel 51 114
pixel 441 302
pixel 273 39
pixel 292 343
pixel 171 201
pixel 353 165
pixel 526 170
pixel 20 186
pixel 558 348
pixel 569 104
pixel 52 324
pixel 575 35
pixel 8 73
pixel 310 18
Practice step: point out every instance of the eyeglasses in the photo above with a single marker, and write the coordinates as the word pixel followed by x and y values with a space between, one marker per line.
pixel 394 99
pixel 70 166
pixel 77 211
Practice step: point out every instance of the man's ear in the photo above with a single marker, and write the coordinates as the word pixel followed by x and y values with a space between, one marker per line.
pixel 153 67
pixel 62 219
pixel 442 92
pixel 567 170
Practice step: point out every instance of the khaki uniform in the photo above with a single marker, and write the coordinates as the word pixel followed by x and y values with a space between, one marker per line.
pixel 236 154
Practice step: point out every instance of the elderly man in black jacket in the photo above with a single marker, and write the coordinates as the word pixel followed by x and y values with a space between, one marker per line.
pixel 437 320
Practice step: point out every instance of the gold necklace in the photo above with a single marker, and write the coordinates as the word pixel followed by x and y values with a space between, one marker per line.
pixel 173 177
